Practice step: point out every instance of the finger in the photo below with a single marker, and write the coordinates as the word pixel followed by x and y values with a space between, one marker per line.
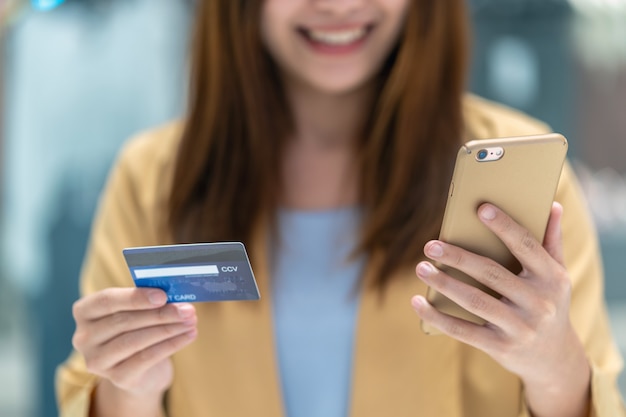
pixel 482 269
pixel 468 297
pixel 107 328
pixel 123 347
pixel 112 300
pixel 553 240
pixel 139 363
pixel 480 337
pixel 522 244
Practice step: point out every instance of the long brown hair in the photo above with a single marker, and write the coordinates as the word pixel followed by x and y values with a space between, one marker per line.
pixel 227 174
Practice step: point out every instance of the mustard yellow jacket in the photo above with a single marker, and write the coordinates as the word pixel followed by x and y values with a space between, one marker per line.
pixel 231 369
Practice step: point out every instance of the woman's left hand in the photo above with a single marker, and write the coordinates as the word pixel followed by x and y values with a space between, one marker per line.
pixel 528 330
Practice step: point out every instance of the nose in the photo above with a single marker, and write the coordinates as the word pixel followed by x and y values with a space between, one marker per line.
pixel 338 7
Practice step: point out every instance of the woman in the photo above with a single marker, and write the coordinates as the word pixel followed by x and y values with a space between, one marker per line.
pixel 322 134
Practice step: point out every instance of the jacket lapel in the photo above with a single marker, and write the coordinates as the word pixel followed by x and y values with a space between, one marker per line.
pixel 231 369
pixel 398 370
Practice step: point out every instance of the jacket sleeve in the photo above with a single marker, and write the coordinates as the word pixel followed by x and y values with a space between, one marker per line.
pixel 121 221
pixel 588 310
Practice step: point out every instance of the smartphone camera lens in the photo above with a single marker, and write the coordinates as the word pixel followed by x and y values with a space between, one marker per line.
pixel 482 154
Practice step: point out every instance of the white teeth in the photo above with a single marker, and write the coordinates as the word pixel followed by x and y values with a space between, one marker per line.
pixel 343 37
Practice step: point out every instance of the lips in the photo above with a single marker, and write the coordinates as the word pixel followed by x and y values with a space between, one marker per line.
pixel 338 39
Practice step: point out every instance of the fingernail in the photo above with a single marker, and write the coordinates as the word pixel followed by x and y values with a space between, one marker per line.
pixel 434 250
pixel 425 269
pixel 185 311
pixel 488 213
pixel 418 302
pixel 157 297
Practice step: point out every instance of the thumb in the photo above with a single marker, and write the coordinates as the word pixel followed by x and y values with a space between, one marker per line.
pixel 553 240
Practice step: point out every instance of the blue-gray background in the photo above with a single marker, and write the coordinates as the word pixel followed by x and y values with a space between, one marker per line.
pixel 79 80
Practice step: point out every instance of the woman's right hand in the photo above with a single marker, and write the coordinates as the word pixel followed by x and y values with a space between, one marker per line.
pixel 127 336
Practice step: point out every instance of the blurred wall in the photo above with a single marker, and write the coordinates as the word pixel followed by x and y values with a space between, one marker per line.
pixel 80 80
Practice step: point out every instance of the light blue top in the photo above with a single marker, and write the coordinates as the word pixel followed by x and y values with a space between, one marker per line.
pixel 315 305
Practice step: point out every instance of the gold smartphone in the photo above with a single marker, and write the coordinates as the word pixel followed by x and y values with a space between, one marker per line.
pixel 519 175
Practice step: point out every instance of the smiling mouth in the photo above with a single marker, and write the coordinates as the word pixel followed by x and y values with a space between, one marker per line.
pixel 336 37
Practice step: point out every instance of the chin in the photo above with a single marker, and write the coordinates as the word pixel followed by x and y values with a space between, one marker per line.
pixel 338 85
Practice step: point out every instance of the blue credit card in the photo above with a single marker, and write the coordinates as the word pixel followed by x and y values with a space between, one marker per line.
pixel 195 272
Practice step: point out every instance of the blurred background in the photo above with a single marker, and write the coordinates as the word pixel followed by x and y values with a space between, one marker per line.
pixel 78 77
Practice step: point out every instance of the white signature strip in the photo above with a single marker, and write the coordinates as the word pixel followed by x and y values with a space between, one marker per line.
pixel 176 271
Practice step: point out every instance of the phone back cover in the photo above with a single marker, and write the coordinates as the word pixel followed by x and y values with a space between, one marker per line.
pixel 522 183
